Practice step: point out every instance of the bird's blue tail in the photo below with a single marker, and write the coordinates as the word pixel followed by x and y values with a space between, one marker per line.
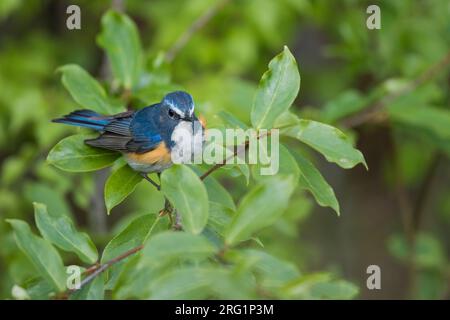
pixel 85 118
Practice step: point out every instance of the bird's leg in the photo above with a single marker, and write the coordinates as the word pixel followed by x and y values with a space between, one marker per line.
pixel 159 177
pixel 177 225
pixel 146 177
pixel 167 210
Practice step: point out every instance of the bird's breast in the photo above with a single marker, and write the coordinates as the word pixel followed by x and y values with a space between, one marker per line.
pixel 155 160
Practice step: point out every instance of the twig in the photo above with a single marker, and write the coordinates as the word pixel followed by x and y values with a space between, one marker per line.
pixel 236 152
pixel 197 25
pixel 98 268
pixel 106 265
pixel 374 110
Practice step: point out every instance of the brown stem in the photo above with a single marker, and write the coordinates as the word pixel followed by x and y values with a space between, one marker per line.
pixel 197 25
pixel 236 152
pixel 375 109
pixel 100 268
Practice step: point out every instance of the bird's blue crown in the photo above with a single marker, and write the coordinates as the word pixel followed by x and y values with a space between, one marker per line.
pixel 181 102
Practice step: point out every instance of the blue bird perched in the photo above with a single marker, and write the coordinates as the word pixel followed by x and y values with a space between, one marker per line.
pixel 149 138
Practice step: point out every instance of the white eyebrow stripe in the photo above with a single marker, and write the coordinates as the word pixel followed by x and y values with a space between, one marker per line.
pixel 176 110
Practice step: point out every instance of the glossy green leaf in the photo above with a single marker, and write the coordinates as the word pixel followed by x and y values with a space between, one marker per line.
pixel 312 180
pixel 331 142
pixel 219 217
pixel 231 121
pixel 72 154
pixel 130 237
pixel 188 194
pixel 39 289
pixel 217 193
pixel 87 92
pixel 120 39
pixel 286 166
pixel 261 207
pixel 41 254
pixel 119 185
pixel 60 231
pixel 286 119
pixel 181 283
pixel 170 245
pixel 277 90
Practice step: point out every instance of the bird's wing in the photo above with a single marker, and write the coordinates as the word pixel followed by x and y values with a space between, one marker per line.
pixel 128 132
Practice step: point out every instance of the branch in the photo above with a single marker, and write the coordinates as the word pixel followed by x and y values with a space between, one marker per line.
pixel 236 152
pixel 196 25
pixel 373 110
pixel 97 269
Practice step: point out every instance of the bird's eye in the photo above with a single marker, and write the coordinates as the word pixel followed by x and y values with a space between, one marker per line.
pixel 172 114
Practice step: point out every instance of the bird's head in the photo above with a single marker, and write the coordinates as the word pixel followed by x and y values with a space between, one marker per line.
pixel 179 106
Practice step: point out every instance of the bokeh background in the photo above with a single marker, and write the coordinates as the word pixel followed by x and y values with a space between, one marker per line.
pixel 387 88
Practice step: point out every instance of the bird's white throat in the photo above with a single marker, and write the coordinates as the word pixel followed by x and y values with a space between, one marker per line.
pixel 188 142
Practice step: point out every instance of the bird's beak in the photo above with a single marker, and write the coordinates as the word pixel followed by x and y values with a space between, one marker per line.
pixel 189 118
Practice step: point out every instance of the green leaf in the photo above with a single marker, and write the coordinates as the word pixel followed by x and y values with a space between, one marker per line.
pixel 312 180
pixel 87 92
pixel 286 166
pixel 60 231
pixel 219 217
pixel 217 193
pixel 120 39
pixel 119 185
pixel 188 194
pixel 286 119
pixel 187 282
pixel 329 141
pixel 274 271
pixel 277 90
pixel 130 237
pixel 231 120
pixel 39 289
pixel 261 207
pixel 94 290
pixel 41 253
pixel 135 280
pixel 319 286
pixel 72 154
pixel 170 245
pixel 201 282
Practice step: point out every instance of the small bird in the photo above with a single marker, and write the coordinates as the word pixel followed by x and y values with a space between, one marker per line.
pixel 148 138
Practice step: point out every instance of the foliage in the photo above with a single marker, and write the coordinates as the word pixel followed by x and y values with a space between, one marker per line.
pixel 240 236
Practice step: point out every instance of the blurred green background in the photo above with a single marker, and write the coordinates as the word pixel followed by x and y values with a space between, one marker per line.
pixel 404 198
